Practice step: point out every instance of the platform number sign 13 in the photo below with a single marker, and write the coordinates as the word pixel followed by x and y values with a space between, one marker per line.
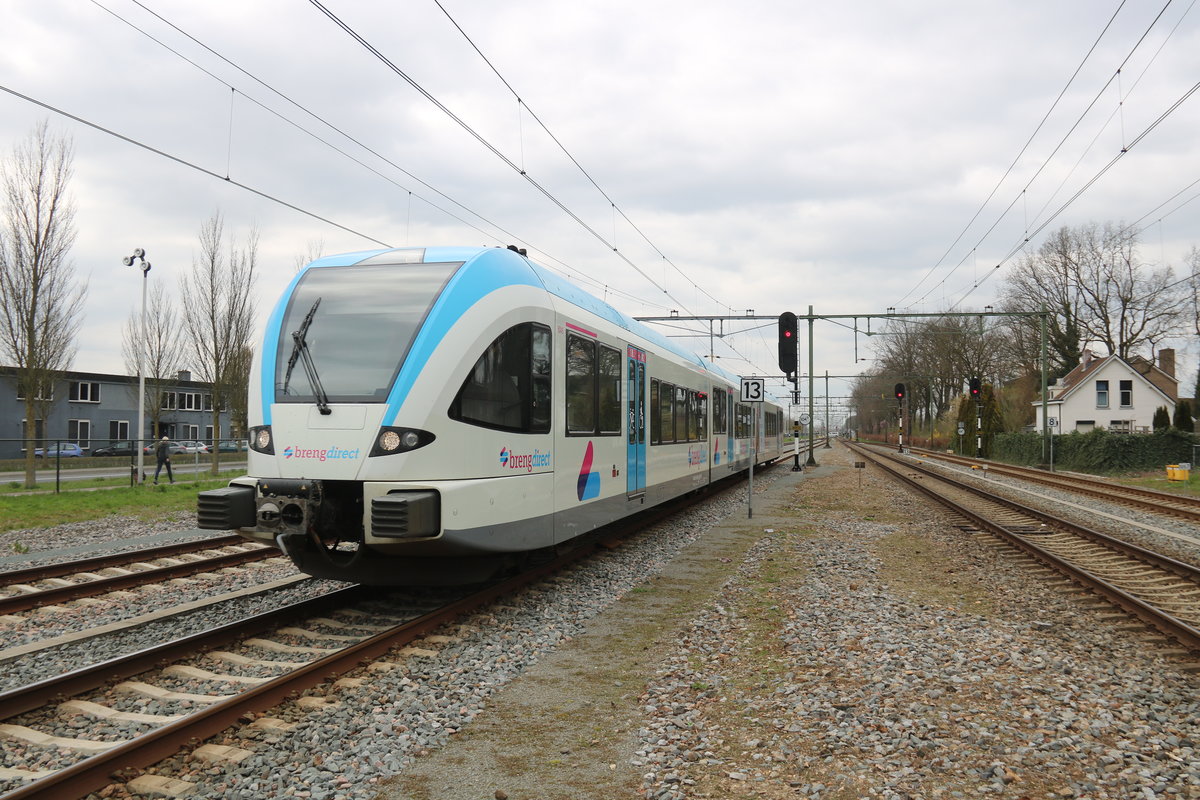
pixel 753 390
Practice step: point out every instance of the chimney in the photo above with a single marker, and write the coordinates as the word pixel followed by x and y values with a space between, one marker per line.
pixel 184 375
pixel 1085 359
pixel 1166 361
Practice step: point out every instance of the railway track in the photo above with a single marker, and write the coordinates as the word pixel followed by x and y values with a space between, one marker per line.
pixel 1181 506
pixel 1160 591
pixel 309 645
pixel 125 571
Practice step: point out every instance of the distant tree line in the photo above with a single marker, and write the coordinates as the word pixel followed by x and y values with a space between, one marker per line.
pixel 1098 293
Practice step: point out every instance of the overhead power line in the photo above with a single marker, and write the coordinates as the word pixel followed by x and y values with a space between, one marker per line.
pixel 366 45
pixel 612 203
pixel 508 236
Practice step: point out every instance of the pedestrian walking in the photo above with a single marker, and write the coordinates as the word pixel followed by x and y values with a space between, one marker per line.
pixel 162 454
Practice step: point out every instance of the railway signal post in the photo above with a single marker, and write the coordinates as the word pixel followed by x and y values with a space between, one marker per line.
pixel 788 362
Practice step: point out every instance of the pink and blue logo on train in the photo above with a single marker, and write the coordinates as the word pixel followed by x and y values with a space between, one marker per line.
pixel 504 452
pixel 697 456
pixel 589 481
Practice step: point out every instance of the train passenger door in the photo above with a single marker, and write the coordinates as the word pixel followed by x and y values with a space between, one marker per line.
pixel 635 461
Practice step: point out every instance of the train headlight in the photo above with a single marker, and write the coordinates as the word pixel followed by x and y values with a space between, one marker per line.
pixel 399 440
pixel 261 440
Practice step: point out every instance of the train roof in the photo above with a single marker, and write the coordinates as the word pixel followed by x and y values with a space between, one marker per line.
pixel 486 269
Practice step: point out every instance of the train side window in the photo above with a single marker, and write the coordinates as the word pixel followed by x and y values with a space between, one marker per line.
pixel 581 385
pixel 666 408
pixel 608 389
pixel 681 414
pixel 701 417
pixel 508 388
pixel 719 409
pixel 693 417
pixel 655 418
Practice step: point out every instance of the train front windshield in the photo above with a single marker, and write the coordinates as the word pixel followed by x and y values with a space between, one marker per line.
pixel 357 324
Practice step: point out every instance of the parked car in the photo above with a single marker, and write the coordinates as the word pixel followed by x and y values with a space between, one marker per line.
pixel 116 448
pixel 62 450
pixel 231 446
pixel 192 447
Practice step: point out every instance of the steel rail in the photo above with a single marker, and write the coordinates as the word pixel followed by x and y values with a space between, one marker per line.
pixel 1168 624
pixel 31 574
pixel 26 601
pixel 1163 502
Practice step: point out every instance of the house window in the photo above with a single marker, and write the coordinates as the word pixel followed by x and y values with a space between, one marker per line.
pixel 1126 394
pixel 1101 394
pixel 39 434
pixel 79 431
pixel 85 392
pixel 118 430
pixel 168 401
pixel 42 394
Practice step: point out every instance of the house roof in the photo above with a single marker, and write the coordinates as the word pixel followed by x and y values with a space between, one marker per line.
pixel 1141 367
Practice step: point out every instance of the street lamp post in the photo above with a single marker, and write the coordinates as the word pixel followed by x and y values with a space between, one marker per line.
pixel 140 255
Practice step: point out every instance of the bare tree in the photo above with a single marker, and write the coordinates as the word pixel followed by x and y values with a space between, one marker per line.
pixel 1096 289
pixel 42 299
pixel 312 251
pixel 156 347
pixel 1047 279
pixel 218 313
pixel 1128 304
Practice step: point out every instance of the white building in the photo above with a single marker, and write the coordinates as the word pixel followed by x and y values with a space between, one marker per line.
pixel 1111 393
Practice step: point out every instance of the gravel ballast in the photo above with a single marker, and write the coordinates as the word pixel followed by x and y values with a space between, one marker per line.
pixel 846 642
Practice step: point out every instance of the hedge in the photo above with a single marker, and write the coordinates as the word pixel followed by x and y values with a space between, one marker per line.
pixel 1098 450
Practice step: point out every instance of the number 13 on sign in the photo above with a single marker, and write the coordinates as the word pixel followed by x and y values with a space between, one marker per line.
pixel 753 390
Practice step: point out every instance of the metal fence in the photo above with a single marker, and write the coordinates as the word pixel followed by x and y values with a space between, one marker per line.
pixel 71 459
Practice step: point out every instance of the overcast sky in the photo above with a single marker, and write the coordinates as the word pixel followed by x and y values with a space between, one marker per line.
pixel 775 155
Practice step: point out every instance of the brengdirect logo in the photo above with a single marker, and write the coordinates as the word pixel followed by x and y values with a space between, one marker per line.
pixel 524 461
pixel 328 454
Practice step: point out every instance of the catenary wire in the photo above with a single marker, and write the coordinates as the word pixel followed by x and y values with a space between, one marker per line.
pixel 1020 153
pixel 563 267
pixel 1125 149
pixel 612 203
pixel 353 34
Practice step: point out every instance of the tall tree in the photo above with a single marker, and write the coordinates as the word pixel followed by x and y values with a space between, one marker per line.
pixel 1046 279
pixel 42 299
pixel 1097 289
pixel 218 313
pixel 154 346
pixel 1128 305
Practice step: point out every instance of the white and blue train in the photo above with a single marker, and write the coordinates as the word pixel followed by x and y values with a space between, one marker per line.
pixel 429 415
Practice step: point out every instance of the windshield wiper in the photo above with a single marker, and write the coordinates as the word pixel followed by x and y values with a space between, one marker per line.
pixel 300 350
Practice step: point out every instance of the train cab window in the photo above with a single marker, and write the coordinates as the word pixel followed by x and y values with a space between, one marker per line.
pixel 593 388
pixel 509 387
pixel 719 411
